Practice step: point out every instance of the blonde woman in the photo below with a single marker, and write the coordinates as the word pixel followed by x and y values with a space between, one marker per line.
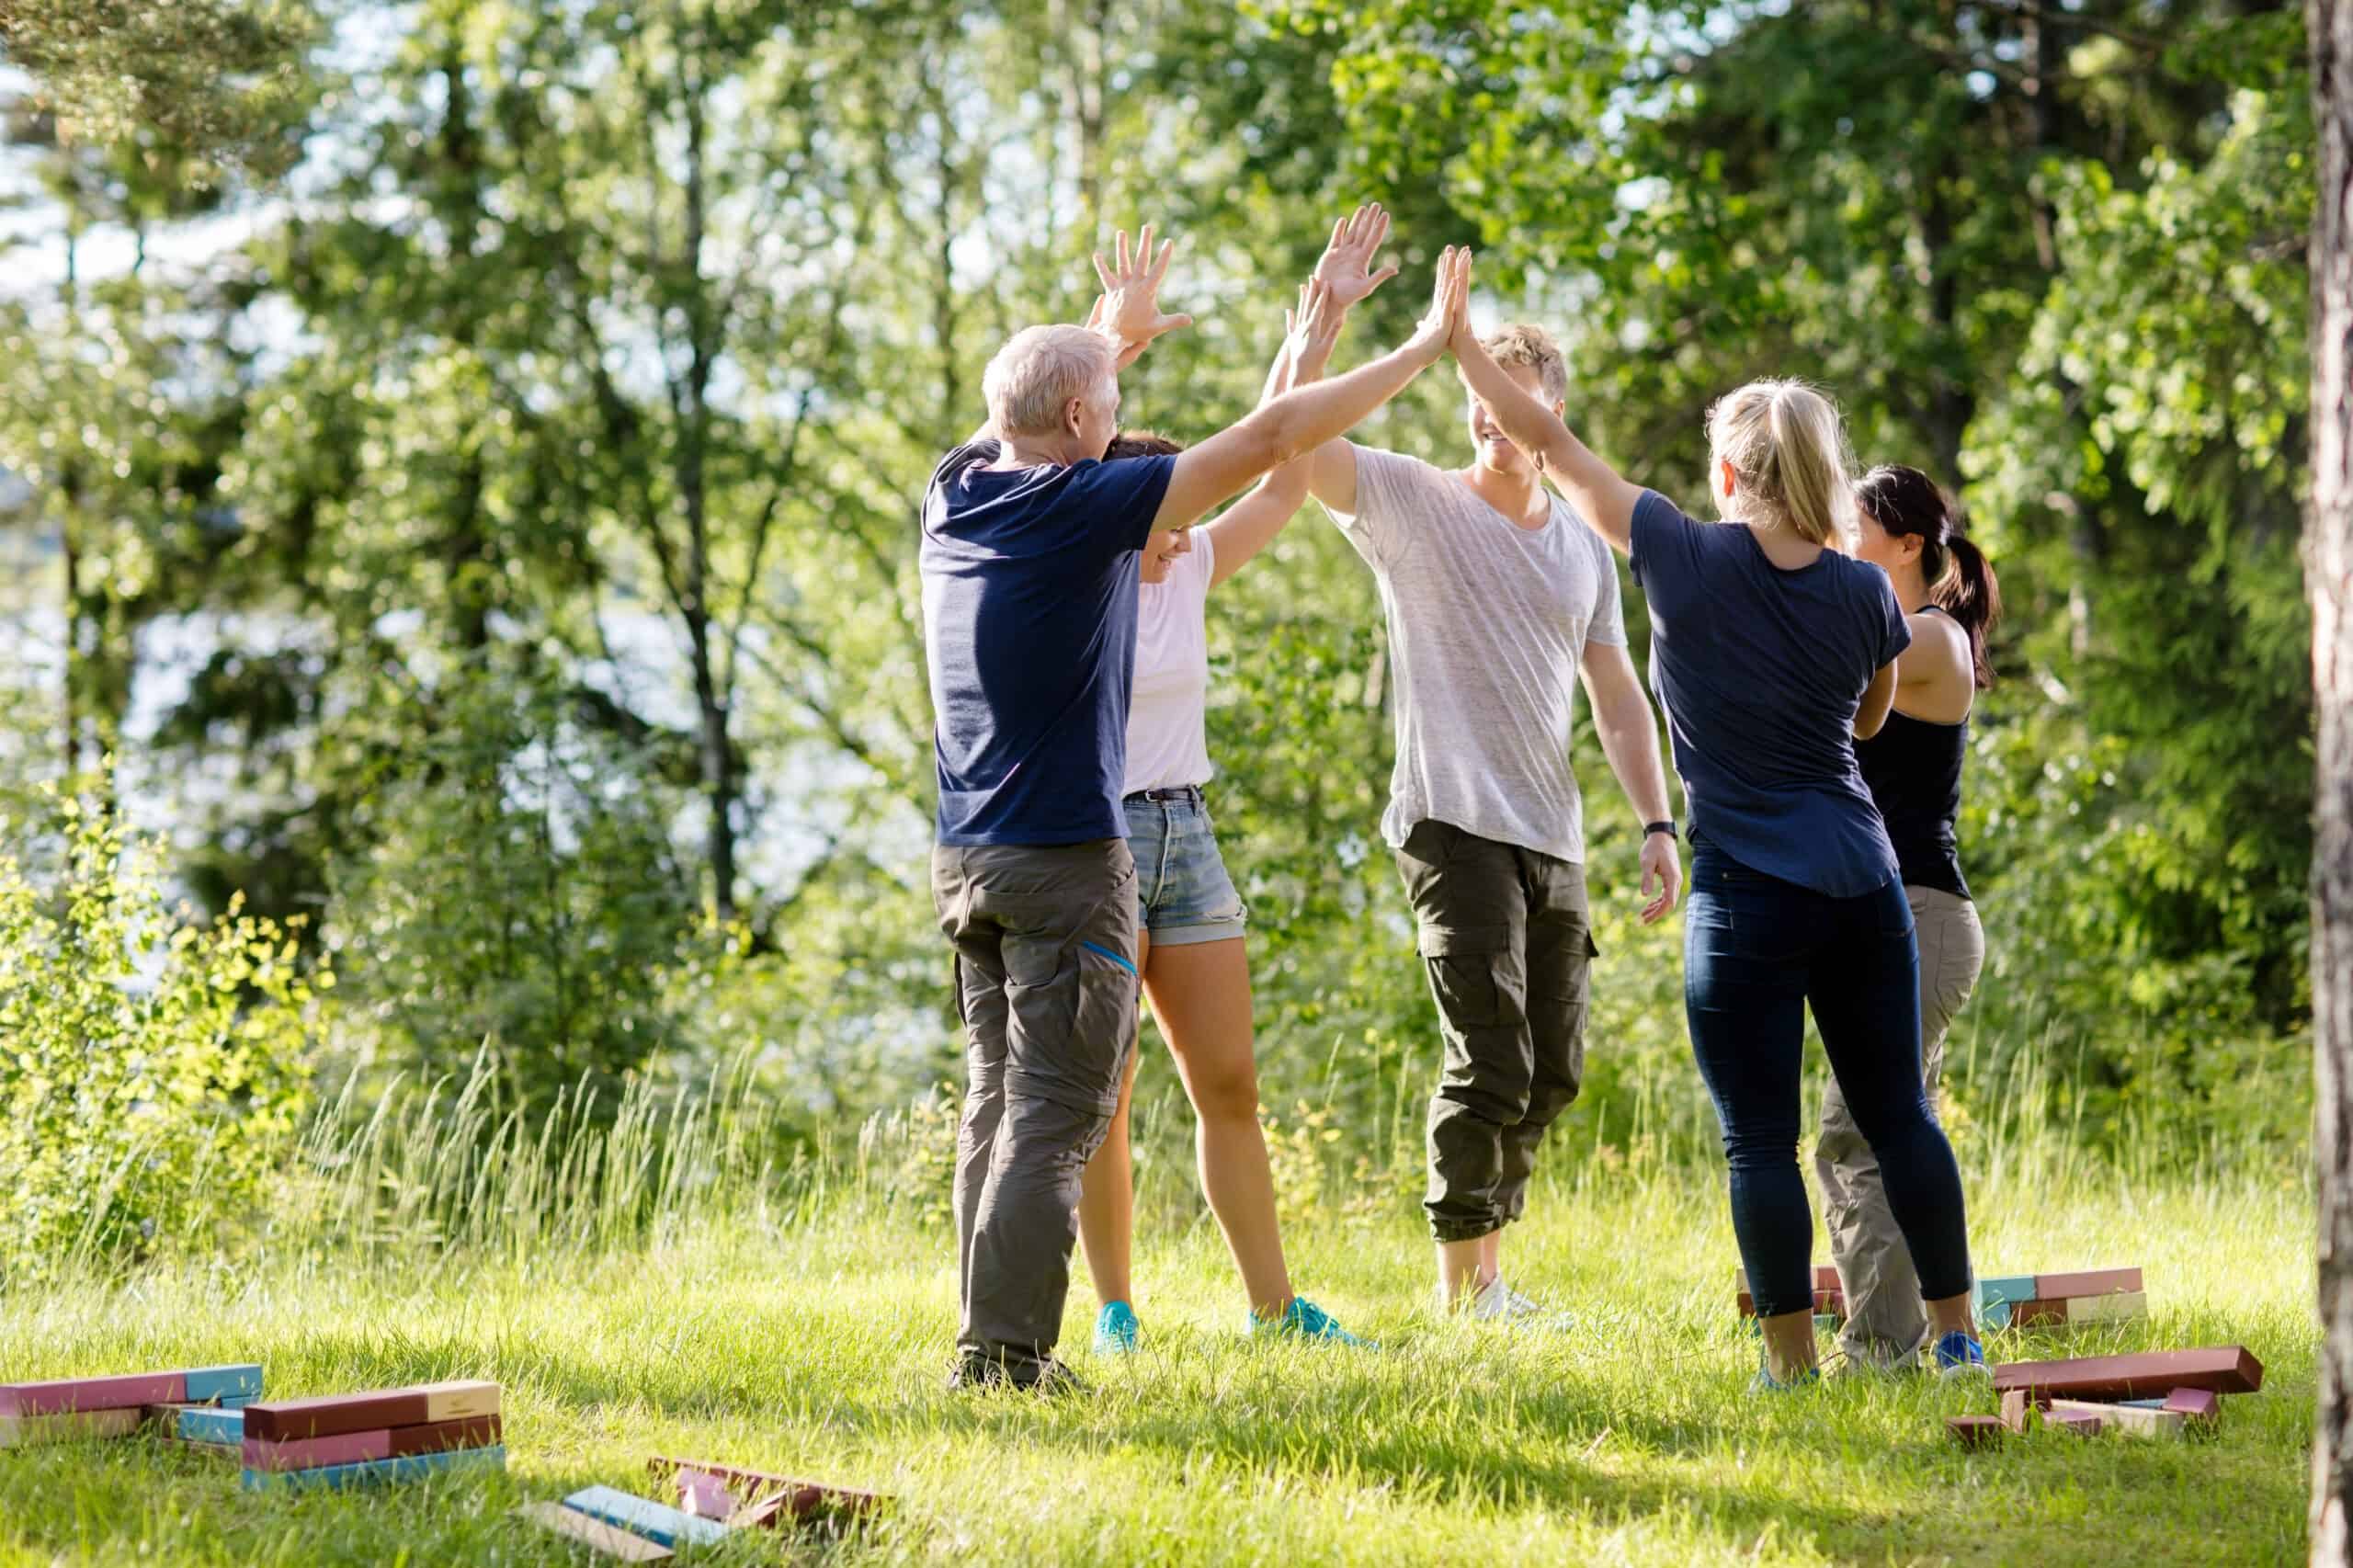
pixel 1771 651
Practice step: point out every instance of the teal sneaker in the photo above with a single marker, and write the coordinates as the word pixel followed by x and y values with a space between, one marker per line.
pixel 1116 1330
pixel 1960 1358
pixel 1306 1320
pixel 1765 1382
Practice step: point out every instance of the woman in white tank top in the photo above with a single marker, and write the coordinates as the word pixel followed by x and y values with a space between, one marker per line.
pixel 1190 950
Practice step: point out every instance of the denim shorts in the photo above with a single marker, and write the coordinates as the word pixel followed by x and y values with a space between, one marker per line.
pixel 1180 877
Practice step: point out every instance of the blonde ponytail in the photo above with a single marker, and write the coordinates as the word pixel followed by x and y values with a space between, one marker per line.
pixel 1788 450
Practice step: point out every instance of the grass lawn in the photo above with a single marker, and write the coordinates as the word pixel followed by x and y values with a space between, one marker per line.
pixel 816 1343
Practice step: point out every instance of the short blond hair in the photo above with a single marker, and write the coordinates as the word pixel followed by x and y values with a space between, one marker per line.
pixel 1521 342
pixel 1787 449
pixel 1036 373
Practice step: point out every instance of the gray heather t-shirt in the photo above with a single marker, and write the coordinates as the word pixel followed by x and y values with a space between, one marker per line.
pixel 1487 624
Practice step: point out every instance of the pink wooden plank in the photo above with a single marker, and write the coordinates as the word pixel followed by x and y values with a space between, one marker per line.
pixel 65 1395
pixel 315 1453
pixel 704 1496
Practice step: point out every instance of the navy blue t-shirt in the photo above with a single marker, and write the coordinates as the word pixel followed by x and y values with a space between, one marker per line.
pixel 1760 671
pixel 1029 622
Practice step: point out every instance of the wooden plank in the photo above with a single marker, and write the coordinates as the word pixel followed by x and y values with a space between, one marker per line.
pixel 65 1396
pixel 318 1453
pixel 643 1516
pixel 2019 1409
pixel 804 1500
pixel 2089 1282
pixel 360 1448
pixel 2006 1288
pixel 2199 1406
pixel 333 1415
pixel 2130 1419
pixel 208 1385
pixel 2038 1314
pixel 1976 1431
pixel 329 1415
pixel 2228 1369
pixel 2117 1308
pixel 457 1401
pixel 595 1534
pixel 407 1468
pixel 469 1432
pixel 2082 1426
pixel 705 1496
pixel 203 1423
pixel 30 1431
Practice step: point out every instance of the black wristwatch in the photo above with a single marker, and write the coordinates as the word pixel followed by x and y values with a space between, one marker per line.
pixel 1665 827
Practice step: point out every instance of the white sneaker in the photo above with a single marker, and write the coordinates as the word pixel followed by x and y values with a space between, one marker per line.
pixel 1498 1303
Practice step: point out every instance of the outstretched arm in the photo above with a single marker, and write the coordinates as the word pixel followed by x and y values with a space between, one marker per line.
pixel 1252 523
pixel 1592 487
pixel 1302 420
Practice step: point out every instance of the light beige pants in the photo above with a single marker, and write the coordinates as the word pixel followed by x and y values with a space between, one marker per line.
pixel 1885 1321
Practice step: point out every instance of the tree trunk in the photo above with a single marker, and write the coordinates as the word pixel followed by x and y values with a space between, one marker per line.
pixel 2329 565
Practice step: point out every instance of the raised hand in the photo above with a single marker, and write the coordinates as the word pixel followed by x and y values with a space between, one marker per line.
pixel 1345 266
pixel 1449 309
pixel 1131 304
pixel 1314 326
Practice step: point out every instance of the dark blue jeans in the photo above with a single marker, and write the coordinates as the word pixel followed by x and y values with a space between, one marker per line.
pixel 1757 952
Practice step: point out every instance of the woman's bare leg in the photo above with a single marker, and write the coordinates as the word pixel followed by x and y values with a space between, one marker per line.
pixel 1200 996
pixel 1106 1197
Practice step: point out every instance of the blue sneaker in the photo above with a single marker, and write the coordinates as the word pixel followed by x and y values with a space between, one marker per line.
pixel 1116 1330
pixel 1765 1382
pixel 1304 1319
pixel 1959 1357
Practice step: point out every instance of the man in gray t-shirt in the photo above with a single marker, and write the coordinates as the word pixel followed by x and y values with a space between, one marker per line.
pixel 1495 592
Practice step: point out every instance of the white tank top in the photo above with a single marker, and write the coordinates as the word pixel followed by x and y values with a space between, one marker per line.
pixel 1167 739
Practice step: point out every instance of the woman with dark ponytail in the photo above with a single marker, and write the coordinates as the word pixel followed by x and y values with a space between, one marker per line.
pixel 1913 769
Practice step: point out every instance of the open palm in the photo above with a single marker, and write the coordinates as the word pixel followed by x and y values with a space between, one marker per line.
pixel 1345 266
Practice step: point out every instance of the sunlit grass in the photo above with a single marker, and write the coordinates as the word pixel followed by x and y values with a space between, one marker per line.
pixel 812 1335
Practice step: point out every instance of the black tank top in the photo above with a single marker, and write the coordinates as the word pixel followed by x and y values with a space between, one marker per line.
pixel 1913 769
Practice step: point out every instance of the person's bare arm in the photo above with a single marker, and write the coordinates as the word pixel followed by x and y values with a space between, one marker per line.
pixel 1347 266
pixel 1603 499
pixel 1252 523
pixel 1629 732
pixel 1878 699
pixel 1300 421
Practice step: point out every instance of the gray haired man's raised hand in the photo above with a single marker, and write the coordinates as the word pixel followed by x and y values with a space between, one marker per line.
pixel 1129 310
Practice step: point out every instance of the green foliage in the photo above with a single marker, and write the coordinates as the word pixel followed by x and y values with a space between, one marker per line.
pixel 537 493
pixel 514 894
pixel 153 1071
pixel 218 82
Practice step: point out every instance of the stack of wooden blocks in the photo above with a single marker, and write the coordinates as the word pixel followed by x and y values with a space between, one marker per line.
pixel 201 1405
pixel 713 1501
pixel 2054 1301
pixel 1829 1296
pixel 2153 1393
pixel 352 1439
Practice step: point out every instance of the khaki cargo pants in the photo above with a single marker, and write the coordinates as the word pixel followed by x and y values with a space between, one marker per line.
pixel 1886 1321
pixel 1045 941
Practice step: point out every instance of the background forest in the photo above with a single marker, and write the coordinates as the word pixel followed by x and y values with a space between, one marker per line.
pixel 464 462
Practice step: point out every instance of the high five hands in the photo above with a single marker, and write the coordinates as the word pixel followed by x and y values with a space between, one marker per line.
pixel 1345 266
pixel 1129 307
pixel 1449 317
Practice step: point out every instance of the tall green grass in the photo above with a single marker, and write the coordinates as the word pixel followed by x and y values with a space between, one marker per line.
pixel 679 1273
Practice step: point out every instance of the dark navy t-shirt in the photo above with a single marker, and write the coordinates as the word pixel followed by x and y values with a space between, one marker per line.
pixel 1029 622
pixel 1760 671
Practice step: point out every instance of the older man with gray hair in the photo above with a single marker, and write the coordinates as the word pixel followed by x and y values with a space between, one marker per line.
pixel 1031 546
